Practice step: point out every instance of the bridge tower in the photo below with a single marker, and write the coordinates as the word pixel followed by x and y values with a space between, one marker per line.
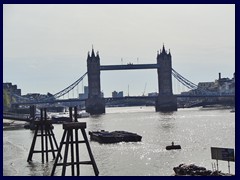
pixel 95 104
pixel 166 101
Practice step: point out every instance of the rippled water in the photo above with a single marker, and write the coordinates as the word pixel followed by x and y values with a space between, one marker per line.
pixel 196 130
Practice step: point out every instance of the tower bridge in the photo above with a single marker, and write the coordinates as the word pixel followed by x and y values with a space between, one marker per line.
pixel 95 103
pixel 166 101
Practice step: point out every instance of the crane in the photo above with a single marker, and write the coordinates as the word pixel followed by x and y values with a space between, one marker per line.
pixel 144 89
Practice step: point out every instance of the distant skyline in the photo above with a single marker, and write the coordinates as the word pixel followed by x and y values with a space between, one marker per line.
pixel 45 46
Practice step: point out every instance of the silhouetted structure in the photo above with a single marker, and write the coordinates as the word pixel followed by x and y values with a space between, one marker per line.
pixel 166 101
pixel 95 104
pixel 47 136
pixel 70 139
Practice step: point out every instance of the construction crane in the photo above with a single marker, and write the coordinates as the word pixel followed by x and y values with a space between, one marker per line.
pixel 144 89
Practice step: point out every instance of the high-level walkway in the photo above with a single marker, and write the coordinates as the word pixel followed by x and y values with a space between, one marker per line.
pixel 129 67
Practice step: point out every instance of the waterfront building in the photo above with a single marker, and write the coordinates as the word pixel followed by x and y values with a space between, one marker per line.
pixel 11 88
pixel 226 85
pixel 219 86
pixel 37 96
pixel 117 94
pixel 206 85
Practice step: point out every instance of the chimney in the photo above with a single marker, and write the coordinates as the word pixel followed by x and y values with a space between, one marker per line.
pixel 219 76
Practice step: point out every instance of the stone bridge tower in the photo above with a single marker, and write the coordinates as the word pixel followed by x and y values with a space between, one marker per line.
pixel 95 104
pixel 166 101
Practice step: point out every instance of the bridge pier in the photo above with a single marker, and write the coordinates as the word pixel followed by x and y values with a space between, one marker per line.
pixel 166 103
pixel 95 106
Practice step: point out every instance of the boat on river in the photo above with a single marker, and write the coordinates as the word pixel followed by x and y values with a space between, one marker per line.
pixel 83 114
pixel 65 117
pixel 173 146
pixel 114 136
pixel 61 117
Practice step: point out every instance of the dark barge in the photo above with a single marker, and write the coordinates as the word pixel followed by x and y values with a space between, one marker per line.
pixel 114 136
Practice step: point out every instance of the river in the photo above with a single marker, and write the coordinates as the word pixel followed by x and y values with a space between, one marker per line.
pixel 195 129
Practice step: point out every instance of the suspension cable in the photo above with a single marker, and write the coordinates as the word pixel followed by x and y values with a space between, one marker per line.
pixel 189 84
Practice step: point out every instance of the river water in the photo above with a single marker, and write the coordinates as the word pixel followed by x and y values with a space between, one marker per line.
pixel 195 129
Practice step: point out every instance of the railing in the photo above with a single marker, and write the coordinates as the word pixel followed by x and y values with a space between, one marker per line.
pixel 129 67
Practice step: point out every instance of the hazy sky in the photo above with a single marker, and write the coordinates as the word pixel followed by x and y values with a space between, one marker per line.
pixel 45 46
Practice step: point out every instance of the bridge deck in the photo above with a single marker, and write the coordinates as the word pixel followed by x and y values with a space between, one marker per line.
pixel 126 97
pixel 129 67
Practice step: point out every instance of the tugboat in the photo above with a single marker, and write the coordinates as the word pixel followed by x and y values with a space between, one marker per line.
pixel 114 137
pixel 173 147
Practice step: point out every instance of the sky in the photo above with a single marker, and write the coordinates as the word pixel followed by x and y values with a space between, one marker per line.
pixel 45 47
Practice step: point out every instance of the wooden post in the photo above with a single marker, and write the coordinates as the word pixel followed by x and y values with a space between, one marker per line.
pixel 32 146
pixel 46 130
pixel 75 114
pixel 228 164
pixel 217 160
pixel 65 154
pixel 72 151
pixel 90 153
pixel 59 152
pixel 77 152
pixel 42 143
pixel 69 128
pixel 228 167
pixel 70 113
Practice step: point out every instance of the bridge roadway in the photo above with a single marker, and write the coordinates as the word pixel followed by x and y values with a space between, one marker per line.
pixel 119 98
pixel 129 66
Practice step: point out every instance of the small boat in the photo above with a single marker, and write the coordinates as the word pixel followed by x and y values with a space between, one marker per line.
pixel 114 137
pixel 83 114
pixel 61 117
pixel 173 147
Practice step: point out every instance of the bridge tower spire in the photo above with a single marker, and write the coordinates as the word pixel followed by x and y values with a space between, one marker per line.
pixel 93 54
pixel 163 49
pixel 166 101
pixel 95 103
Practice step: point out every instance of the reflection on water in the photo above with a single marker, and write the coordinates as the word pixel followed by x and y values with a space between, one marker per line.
pixel 167 121
pixel 195 130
